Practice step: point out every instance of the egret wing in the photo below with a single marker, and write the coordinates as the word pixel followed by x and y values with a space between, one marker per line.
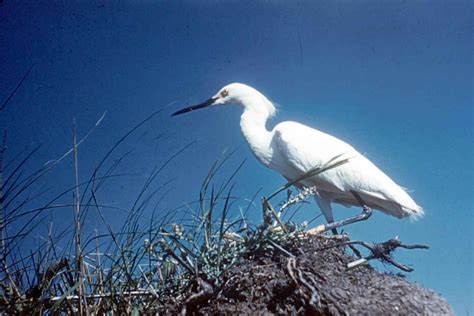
pixel 299 149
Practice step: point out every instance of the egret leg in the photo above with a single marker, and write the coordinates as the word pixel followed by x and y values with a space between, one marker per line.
pixel 324 202
pixel 366 213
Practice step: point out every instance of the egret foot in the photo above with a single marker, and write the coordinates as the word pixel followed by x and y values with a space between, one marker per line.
pixel 318 230
pixel 366 213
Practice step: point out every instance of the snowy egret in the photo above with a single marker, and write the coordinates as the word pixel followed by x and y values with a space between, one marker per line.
pixel 293 149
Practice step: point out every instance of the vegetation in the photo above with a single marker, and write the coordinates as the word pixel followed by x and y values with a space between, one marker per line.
pixel 194 262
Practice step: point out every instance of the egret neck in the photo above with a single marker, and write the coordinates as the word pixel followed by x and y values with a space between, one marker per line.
pixel 252 124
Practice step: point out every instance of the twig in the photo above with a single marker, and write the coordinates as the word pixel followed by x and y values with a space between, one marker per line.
pixel 77 218
pixel 300 197
pixel 298 277
pixel 206 291
pixel 281 249
pixel 381 251
pixel 166 247
pixel 101 295
pixel 268 207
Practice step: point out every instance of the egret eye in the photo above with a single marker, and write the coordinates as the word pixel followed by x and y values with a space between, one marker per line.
pixel 224 93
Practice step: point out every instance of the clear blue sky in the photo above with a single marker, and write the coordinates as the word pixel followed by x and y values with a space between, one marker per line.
pixel 393 78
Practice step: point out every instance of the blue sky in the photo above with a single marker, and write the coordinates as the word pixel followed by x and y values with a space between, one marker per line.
pixel 393 78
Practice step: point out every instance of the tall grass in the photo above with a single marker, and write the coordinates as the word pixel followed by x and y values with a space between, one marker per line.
pixel 141 266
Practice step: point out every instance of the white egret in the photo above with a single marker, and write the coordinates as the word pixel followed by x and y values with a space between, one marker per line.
pixel 293 149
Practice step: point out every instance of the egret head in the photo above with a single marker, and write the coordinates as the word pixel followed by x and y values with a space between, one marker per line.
pixel 236 93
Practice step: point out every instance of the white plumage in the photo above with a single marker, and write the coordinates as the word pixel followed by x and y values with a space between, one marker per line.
pixel 293 149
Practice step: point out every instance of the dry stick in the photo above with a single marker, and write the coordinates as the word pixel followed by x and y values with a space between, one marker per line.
pixel 30 180
pixel 99 265
pixel 77 221
pixel 101 295
pixel 281 249
pixel 205 293
pixel 167 248
pixel 150 285
pixel 381 251
pixel 267 207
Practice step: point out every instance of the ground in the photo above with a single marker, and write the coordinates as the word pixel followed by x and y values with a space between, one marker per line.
pixel 312 281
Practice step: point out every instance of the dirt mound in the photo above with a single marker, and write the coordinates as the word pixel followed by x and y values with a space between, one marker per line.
pixel 312 281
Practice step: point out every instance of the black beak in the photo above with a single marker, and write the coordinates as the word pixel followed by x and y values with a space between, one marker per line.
pixel 195 107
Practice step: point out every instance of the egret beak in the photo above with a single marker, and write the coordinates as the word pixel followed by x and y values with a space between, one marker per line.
pixel 202 105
